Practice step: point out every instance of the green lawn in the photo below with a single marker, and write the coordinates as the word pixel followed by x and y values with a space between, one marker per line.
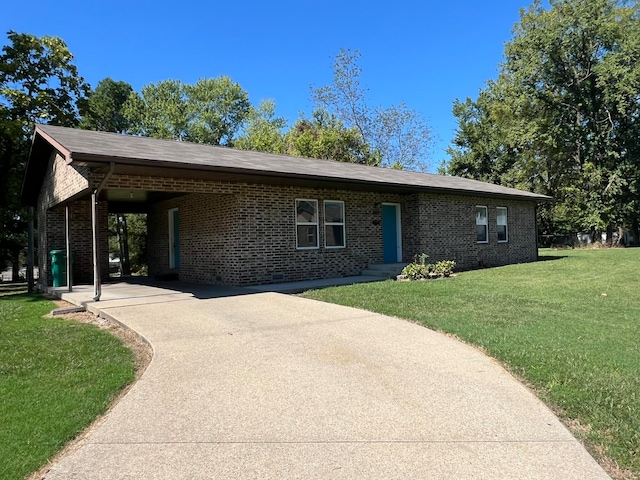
pixel 569 325
pixel 56 377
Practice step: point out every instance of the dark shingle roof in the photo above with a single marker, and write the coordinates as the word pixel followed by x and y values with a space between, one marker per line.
pixel 91 146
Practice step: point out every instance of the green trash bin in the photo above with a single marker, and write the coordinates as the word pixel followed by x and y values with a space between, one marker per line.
pixel 59 267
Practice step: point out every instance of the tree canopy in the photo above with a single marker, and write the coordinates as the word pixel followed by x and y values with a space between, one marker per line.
pixel 562 118
pixel 38 84
pixel 324 136
pixel 262 130
pixel 103 110
pixel 209 111
pixel 400 135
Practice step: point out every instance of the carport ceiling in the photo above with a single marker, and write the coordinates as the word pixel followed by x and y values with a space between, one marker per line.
pixel 133 201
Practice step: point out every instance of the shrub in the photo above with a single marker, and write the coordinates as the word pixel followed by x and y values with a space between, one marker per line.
pixel 444 268
pixel 417 271
pixel 420 269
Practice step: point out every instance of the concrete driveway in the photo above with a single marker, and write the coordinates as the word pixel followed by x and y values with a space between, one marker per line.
pixel 271 386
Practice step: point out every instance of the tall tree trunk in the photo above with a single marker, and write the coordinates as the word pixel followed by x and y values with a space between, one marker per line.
pixel 620 239
pixel 609 232
pixel 119 238
pixel 124 260
pixel 15 266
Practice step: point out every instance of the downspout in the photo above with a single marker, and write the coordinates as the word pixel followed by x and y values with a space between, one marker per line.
pixel 97 286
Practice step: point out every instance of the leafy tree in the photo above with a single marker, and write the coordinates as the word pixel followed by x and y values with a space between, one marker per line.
pixel 262 131
pixel 38 84
pixel 159 111
pixel 128 241
pixel 401 135
pixel 323 136
pixel 137 236
pixel 217 107
pixel 562 118
pixel 480 150
pixel 103 110
pixel 210 111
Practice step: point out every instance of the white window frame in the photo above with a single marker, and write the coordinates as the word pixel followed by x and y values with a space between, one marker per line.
pixel 506 224
pixel 316 223
pixel 486 224
pixel 333 224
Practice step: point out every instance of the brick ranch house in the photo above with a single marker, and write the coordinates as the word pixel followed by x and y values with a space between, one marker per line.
pixel 222 216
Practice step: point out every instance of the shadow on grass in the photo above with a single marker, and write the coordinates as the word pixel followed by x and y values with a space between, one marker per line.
pixel 17 291
pixel 6 286
pixel 551 257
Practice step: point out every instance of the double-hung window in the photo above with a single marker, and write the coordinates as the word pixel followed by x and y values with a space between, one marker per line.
pixel 501 223
pixel 334 235
pixel 306 224
pixel 482 225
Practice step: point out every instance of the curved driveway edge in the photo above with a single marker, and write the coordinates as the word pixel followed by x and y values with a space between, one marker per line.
pixel 267 385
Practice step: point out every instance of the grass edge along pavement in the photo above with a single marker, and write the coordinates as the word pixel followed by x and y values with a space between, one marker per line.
pixel 56 377
pixel 569 326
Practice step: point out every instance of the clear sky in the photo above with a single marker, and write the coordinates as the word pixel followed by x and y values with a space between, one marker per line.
pixel 425 53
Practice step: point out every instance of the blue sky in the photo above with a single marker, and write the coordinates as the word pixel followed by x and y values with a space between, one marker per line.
pixel 425 53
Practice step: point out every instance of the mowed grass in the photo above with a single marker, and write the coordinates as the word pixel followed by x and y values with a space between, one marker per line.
pixel 56 377
pixel 569 325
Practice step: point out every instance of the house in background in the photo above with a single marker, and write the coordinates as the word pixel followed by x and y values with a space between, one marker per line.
pixel 222 216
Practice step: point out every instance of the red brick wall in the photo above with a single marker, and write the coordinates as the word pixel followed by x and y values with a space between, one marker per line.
pixel 445 229
pixel 244 234
pixel 248 237
pixel 62 182
pixel 51 236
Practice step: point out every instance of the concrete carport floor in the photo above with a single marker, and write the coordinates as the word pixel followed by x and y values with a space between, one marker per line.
pixel 266 385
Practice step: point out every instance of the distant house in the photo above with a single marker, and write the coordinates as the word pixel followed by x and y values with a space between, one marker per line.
pixel 223 216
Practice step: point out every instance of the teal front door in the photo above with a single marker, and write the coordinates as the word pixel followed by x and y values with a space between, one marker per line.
pixel 390 240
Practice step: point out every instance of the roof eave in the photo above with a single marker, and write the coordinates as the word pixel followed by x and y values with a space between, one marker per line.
pixel 81 158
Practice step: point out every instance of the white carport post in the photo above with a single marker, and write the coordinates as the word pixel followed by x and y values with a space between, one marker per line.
pixel 97 285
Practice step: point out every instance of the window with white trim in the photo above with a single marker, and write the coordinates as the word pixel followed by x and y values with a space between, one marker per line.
pixel 482 225
pixel 306 224
pixel 334 234
pixel 501 224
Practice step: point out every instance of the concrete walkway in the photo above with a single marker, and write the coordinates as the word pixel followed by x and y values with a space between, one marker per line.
pixel 247 385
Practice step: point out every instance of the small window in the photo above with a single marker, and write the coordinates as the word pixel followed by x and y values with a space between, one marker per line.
pixel 334 236
pixel 501 221
pixel 307 224
pixel 482 225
